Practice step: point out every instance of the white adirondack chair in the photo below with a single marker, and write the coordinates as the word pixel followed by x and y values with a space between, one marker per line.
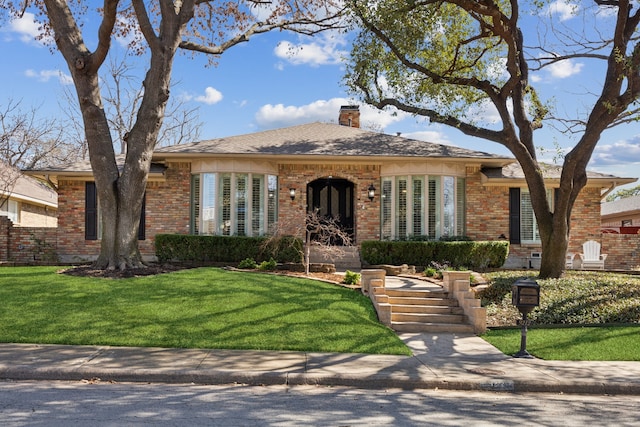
pixel 591 256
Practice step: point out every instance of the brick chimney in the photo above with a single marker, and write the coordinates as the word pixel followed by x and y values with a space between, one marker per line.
pixel 349 116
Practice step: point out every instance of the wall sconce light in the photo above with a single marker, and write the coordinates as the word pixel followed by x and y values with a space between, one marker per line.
pixel 371 192
pixel 292 193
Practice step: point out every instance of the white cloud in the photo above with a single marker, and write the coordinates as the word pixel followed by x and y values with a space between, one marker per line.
pixel 429 136
pixel 618 153
pixel 46 75
pixel 211 96
pixel 321 51
pixel 564 9
pixel 26 27
pixel 275 116
pixel 564 69
pixel 484 113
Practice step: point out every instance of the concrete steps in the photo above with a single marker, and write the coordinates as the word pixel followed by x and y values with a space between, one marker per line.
pixel 426 311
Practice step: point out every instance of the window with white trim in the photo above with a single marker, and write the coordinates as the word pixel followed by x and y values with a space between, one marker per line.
pixel 523 227
pixel 238 204
pixel 422 205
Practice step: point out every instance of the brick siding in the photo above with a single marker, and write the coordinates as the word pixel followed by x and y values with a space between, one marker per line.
pixel 168 211
pixel 27 245
pixel 488 219
pixel 292 213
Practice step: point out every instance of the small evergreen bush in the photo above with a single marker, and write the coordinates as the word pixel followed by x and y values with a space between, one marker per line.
pixel 351 278
pixel 268 265
pixel 248 263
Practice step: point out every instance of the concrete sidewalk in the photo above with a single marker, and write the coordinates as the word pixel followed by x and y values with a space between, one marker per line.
pixel 444 361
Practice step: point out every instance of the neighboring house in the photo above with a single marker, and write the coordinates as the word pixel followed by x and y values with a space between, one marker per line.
pixel 378 186
pixel 621 216
pixel 28 202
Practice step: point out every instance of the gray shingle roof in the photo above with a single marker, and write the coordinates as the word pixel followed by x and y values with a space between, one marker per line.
pixel 628 204
pixel 323 139
pixel 27 188
pixel 514 171
pixel 83 167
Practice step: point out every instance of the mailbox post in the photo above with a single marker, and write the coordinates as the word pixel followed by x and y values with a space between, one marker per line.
pixel 525 295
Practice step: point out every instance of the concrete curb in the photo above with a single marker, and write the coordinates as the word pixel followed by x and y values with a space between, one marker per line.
pixel 221 377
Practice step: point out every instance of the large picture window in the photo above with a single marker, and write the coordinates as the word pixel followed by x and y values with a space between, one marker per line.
pixel 233 204
pixel 422 205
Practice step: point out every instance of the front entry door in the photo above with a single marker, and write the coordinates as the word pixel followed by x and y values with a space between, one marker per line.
pixel 333 198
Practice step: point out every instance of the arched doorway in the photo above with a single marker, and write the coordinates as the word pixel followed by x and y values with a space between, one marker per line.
pixel 333 198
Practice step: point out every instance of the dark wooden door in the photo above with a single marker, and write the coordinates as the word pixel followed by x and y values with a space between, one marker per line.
pixel 333 198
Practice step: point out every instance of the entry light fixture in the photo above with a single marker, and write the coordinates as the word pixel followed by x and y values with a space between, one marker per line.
pixel 371 192
pixel 292 193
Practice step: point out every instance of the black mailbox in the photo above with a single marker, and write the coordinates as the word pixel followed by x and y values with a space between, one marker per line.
pixel 525 294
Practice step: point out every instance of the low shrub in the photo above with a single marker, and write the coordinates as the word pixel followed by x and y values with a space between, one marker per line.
pixel 225 249
pixel 351 278
pixel 248 263
pixel 430 272
pixel 579 298
pixel 270 265
pixel 475 255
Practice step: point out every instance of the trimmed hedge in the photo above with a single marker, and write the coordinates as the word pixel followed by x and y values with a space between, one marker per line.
pixel 232 249
pixel 474 255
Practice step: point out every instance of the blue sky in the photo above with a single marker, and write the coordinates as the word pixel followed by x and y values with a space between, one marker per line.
pixel 281 79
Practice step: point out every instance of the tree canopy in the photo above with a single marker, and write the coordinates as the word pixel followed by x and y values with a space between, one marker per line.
pixel 157 30
pixel 450 61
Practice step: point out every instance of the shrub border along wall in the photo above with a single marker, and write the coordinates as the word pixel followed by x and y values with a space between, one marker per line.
pixel 231 249
pixel 474 255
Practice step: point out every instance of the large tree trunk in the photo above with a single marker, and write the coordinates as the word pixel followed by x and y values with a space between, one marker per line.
pixel 120 192
pixel 554 251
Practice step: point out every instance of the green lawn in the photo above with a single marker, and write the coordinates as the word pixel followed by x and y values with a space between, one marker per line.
pixel 197 308
pixel 582 316
pixel 573 343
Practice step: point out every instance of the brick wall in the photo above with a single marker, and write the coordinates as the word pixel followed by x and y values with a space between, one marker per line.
pixel 292 213
pixel 27 245
pixel 488 217
pixel 623 251
pixel 167 211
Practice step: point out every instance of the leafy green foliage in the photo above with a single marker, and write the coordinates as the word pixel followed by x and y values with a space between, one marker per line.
pixel 268 265
pixel 624 193
pixel 579 298
pixel 474 255
pixel 437 46
pixel 196 308
pixel 351 278
pixel 232 249
pixel 248 263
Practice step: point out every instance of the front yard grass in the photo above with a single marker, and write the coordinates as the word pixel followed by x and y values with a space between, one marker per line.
pixel 582 316
pixel 195 308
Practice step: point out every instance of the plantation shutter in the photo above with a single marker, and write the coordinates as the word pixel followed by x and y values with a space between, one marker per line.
pixel 514 215
pixel 90 211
